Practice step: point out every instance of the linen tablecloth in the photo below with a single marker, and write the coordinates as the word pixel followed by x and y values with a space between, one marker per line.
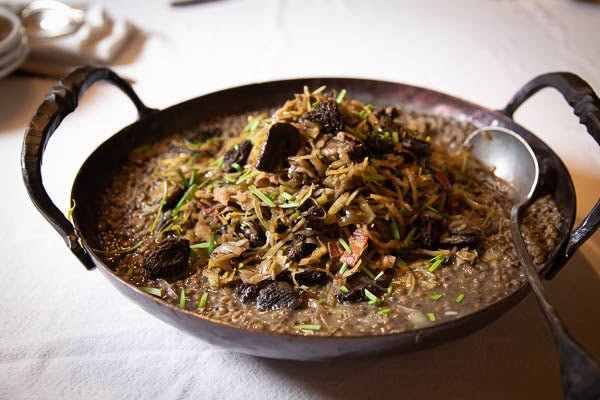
pixel 66 333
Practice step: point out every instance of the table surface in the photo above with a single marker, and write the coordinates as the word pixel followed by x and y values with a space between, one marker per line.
pixel 66 333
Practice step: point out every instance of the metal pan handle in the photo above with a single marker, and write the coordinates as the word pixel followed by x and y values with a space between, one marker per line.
pixel 586 106
pixel 61 101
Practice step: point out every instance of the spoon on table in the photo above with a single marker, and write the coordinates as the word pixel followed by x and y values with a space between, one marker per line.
pixel 515 163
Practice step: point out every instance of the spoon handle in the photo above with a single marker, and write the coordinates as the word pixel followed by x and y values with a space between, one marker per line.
pixel 580 373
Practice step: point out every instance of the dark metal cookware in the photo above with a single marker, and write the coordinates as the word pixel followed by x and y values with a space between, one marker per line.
pixel 99 169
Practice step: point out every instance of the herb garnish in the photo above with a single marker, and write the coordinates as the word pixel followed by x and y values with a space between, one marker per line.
pixel 152 290
pixel 460 298
pixel 395 231
pixel 186 196
pixel 160 207
pixel 436 262
pixel 203 300
pixel 431 317
pixel 435 296
pixel 182 298
pixel 340 96
pixel 409 237
pixel 308 327
pixel 262 196
pixel 345 245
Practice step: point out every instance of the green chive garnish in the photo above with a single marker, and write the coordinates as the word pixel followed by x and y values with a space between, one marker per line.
pixel 70 211
pixel 400 263
pixel 321 302
pixel 431 317
pixel 246 176
pixel 340 96
pixel 314 327
pixel 160 207
pixel 435 296
pixel 368 272
pixel 230 179
pixel 344 289
pixel 460 298
pixel 265 199
pixel 363 115
pixel 345 245
pixel 184 180
pixel 121 251
pixel 372 177
pixel 395 137
pixel 463 168
pixel 203 300
pixel 182 298
pixel 237 167
pixel 343 268
pixel 431 208
pixel 390 289
pixel 379 275
pixel 289 205
pixel 192 177
pixel 395 231
pixel 152 290
pixel 384 311
pixel 203 245
pixel 409 237
pixel 241 265
pixel 254 124
pixel 437 261
pixel 372 298
pixel 130 271
pixel 186 196
pixel 211 243
pixel 287 196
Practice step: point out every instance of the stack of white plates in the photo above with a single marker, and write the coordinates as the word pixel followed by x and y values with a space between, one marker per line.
pixel 13 42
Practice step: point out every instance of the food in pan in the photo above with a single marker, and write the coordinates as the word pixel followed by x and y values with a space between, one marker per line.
pixel 326 216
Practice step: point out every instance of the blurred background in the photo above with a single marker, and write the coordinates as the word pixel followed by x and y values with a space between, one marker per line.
pixel 67 334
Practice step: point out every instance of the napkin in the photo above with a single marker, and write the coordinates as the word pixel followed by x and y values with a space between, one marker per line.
pixel 99 40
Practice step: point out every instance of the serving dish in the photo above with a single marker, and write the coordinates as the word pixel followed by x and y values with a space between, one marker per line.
pixel 98 170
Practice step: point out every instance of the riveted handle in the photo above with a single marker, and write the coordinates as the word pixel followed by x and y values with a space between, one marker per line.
pixel 62 100
pixel 586 105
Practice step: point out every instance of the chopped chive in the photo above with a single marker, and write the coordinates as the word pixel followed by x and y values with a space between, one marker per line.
pixel 218 162
pixel 203 245
pixel 431 317
pixel 379 275
pixel 262 196
pixel 485 221
pixel 230 179
pixel 436 264
pixel 192 177
pixel 384 311
pixel 435 296
pixel 305 288
pixel 141 149
pixel 183 178
pixel 203 300
pixel 395 232
pixel 246 176
pixel 70 211
pixel 343 269
pixel 321 302
pixel 367 271
pixel 316 103
pixel 409 237
pixel 345 245
pixel 344 289
pixel 463 168
pixel 287 196
pixel 186 196
pixel 121 251
pixel 390 289
pixel 395 137
pixel 152 290
pixel 340 96
pixel 182 298
pixel 363 115
pixel 160 207
pixel 211 243
pixel 289 205
pixel 400 263
pixel 237 167
pixel 373 299
pixel 254 124
pixel 369 107
pixel 130 271
pixel 460 298
pixel 315 327
pixel 430 208
pixel 241 265
pixel 386 135
pixel 372 177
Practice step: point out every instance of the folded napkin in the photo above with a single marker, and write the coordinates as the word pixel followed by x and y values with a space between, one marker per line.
pixel 98 41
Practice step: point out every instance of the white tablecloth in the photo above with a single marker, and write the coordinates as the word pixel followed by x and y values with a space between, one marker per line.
pixel 66 333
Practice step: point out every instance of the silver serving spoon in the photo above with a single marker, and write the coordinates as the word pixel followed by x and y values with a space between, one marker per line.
pixel 515 163
pixel 44 19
